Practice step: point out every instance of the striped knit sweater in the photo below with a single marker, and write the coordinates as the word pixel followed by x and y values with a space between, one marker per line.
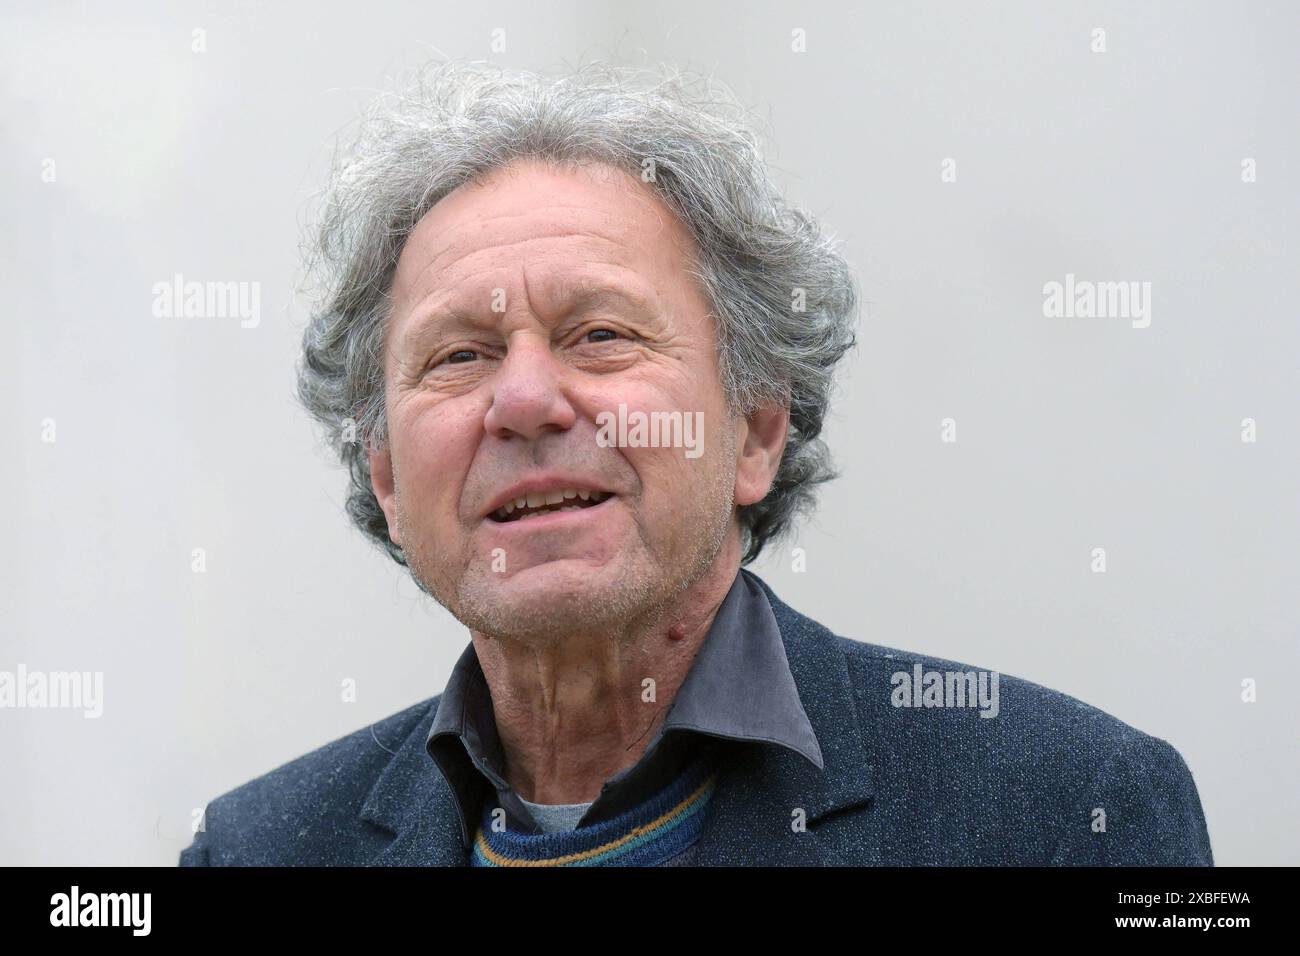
pixel 661 831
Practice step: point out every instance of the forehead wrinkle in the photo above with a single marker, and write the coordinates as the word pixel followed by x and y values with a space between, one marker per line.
pixel 628 188
pixel 412 286
pixel 482 223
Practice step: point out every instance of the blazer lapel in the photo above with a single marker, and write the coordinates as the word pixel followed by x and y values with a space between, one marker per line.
pixel 413 800
pixel 765 792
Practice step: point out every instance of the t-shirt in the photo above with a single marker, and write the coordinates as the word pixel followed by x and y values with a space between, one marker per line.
pixel 556 817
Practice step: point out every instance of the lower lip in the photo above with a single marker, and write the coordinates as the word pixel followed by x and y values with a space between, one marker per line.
pixel 552 519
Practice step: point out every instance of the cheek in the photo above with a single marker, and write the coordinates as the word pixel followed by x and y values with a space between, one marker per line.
pixel 434 459
pixel 677 489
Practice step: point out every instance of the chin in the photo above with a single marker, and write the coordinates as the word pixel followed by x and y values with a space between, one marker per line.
pixel 550 599
pixel 554 584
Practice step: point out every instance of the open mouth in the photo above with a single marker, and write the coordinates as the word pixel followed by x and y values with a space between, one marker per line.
pixel 551 502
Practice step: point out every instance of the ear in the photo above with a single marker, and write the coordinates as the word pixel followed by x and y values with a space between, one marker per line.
pixel 381 481
pixel 760 442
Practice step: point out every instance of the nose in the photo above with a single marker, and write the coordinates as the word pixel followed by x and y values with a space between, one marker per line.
pixel 528 392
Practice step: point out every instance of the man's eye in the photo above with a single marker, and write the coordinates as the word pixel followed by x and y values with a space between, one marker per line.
pixel 463 356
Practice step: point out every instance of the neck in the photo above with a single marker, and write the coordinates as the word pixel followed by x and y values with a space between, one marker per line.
pixel 577 711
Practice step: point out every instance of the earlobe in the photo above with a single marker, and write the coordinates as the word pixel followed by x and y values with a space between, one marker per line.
pixel 382 483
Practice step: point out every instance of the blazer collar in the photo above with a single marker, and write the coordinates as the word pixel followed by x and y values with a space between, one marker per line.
pixel 764 794
pixel 759 793
pixel 413 799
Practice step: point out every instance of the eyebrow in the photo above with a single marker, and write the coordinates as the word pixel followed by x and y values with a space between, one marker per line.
pixel 578 296
pixel 587 296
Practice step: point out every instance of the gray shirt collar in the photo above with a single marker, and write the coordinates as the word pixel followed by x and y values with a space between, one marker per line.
pixel 739 686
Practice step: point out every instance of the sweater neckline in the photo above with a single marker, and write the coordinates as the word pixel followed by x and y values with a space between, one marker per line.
pixel 644 835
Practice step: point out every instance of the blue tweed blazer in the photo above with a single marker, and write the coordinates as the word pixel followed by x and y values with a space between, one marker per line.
pixel 1048 781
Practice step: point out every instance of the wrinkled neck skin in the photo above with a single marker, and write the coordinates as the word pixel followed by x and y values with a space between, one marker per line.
pixel 573 713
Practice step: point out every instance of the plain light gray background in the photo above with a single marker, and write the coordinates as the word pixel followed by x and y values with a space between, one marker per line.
pixel 175 434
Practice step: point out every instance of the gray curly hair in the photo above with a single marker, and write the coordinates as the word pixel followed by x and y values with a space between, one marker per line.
pixel 784 301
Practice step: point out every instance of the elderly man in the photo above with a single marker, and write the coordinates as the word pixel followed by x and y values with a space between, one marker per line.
pixel 510 264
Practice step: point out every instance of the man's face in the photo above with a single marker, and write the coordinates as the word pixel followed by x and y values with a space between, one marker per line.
pixel 524 307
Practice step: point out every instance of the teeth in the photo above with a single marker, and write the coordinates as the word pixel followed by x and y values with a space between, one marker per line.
pixel 537 499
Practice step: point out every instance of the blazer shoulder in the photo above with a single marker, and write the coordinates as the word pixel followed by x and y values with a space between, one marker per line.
pixel 1067 781
pixel 301 812
pixel 953 689
pixel 920 707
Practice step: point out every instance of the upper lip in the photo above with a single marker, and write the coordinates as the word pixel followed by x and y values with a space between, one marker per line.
pixel 544 482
